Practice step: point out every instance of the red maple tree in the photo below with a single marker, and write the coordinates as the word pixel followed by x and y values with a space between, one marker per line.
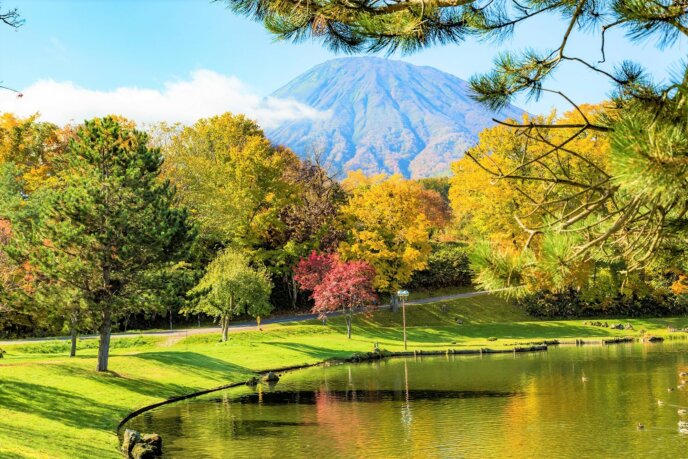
pixel 335 284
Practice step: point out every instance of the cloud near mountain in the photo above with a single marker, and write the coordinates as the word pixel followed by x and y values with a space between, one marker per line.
pixel 205 94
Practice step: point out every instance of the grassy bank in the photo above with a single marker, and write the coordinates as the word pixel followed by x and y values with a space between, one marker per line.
pixel 54 406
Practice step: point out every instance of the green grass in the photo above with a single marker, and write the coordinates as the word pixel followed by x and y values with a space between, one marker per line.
pixel 54 406
pixel 444 291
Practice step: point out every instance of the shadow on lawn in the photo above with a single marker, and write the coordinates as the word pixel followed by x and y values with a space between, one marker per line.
pixel 442 336
pixel 312 351
pixel 63 406
pixel 199 364
pixel 71 444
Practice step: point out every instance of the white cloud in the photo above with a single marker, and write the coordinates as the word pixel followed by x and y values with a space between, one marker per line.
pixel 206 94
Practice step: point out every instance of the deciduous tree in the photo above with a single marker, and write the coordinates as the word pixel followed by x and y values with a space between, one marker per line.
pixel 336 284
pixel 389 230
pixel 231 287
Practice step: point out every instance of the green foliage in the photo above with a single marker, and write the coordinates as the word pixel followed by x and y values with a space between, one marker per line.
pixel 231 287
pixel 500 270
pixel 571 303
pixel 448 266
pixel 108 226
pixel 230 177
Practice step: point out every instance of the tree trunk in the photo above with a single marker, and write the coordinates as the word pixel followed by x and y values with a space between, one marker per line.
pixel 72 330
pixel 198 316
pixel 104 344
pixel 294 292
pixel 171 325
pixel 394 302
pixel 225 328
pixel 348 324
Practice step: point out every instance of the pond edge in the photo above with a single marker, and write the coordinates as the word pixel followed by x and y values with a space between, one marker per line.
pixel 378 354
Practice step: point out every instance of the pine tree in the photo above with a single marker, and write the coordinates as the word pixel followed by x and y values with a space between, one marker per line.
pixel 109 226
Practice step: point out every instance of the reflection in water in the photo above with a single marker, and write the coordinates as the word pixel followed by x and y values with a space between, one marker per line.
pixel 308 397
pixel 406 415
pixel 534 405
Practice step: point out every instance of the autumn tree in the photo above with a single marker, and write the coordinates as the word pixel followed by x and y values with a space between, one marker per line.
pixel 28 153
pixel 230 177
pixel 510 228
pixel 335 284
pixel 109 224
pixel 231 287
pixel 308 222
pixel 389 229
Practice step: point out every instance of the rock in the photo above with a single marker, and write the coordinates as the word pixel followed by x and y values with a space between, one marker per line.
pixel 628 327
pixel 154 441
pixel 271 377
pixel 653 339
pixel 130 439
pixel 137 446
pixel 142 451
pixel 252 381
pixel 2 353
pixel 617 326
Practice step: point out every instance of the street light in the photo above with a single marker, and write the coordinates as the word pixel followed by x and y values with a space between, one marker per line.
pixel 403 294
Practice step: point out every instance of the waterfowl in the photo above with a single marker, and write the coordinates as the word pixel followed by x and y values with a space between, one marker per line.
pixel 584 379
pixel 670 389
pixel 660 402
pixel 682 411
pixel 640 426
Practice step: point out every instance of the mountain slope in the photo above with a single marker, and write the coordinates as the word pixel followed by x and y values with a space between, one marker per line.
pixel 384 116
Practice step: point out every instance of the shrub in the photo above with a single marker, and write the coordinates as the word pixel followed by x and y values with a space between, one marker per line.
pixel 571 304
pixel 448 266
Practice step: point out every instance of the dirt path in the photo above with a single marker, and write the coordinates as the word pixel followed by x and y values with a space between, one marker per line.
pixel 177 335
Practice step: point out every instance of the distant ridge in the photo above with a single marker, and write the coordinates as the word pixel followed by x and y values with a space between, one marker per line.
pixel 385 116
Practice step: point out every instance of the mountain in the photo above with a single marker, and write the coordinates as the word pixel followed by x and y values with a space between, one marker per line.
pixel 384 115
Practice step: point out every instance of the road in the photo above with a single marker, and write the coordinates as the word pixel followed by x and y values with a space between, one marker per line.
pixel 238 326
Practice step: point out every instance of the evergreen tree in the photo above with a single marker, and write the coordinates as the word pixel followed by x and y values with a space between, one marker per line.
pixel 108 227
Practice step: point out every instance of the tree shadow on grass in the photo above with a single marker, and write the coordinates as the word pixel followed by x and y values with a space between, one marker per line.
pixel 443 336
pixel 66 407
pixel 147 387
pixel 317 352
pixel 198 364
pixel 69 444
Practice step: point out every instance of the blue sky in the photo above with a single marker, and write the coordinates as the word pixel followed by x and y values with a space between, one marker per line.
pixel 101 45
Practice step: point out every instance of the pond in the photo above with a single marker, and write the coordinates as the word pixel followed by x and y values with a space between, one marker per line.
pixel 567 402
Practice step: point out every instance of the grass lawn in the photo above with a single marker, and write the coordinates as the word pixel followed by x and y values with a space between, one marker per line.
pixel 54 406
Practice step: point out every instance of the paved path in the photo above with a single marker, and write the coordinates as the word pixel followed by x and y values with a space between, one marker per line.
pixel 176 335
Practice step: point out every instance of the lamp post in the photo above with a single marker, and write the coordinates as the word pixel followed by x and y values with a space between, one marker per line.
pixel 403 294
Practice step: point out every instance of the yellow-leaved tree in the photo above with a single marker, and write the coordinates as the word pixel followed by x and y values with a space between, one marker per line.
pixel 229 175
pixel 507 220
pixel 389 229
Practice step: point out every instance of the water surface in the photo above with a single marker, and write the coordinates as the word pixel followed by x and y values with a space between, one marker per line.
pixel 567 402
